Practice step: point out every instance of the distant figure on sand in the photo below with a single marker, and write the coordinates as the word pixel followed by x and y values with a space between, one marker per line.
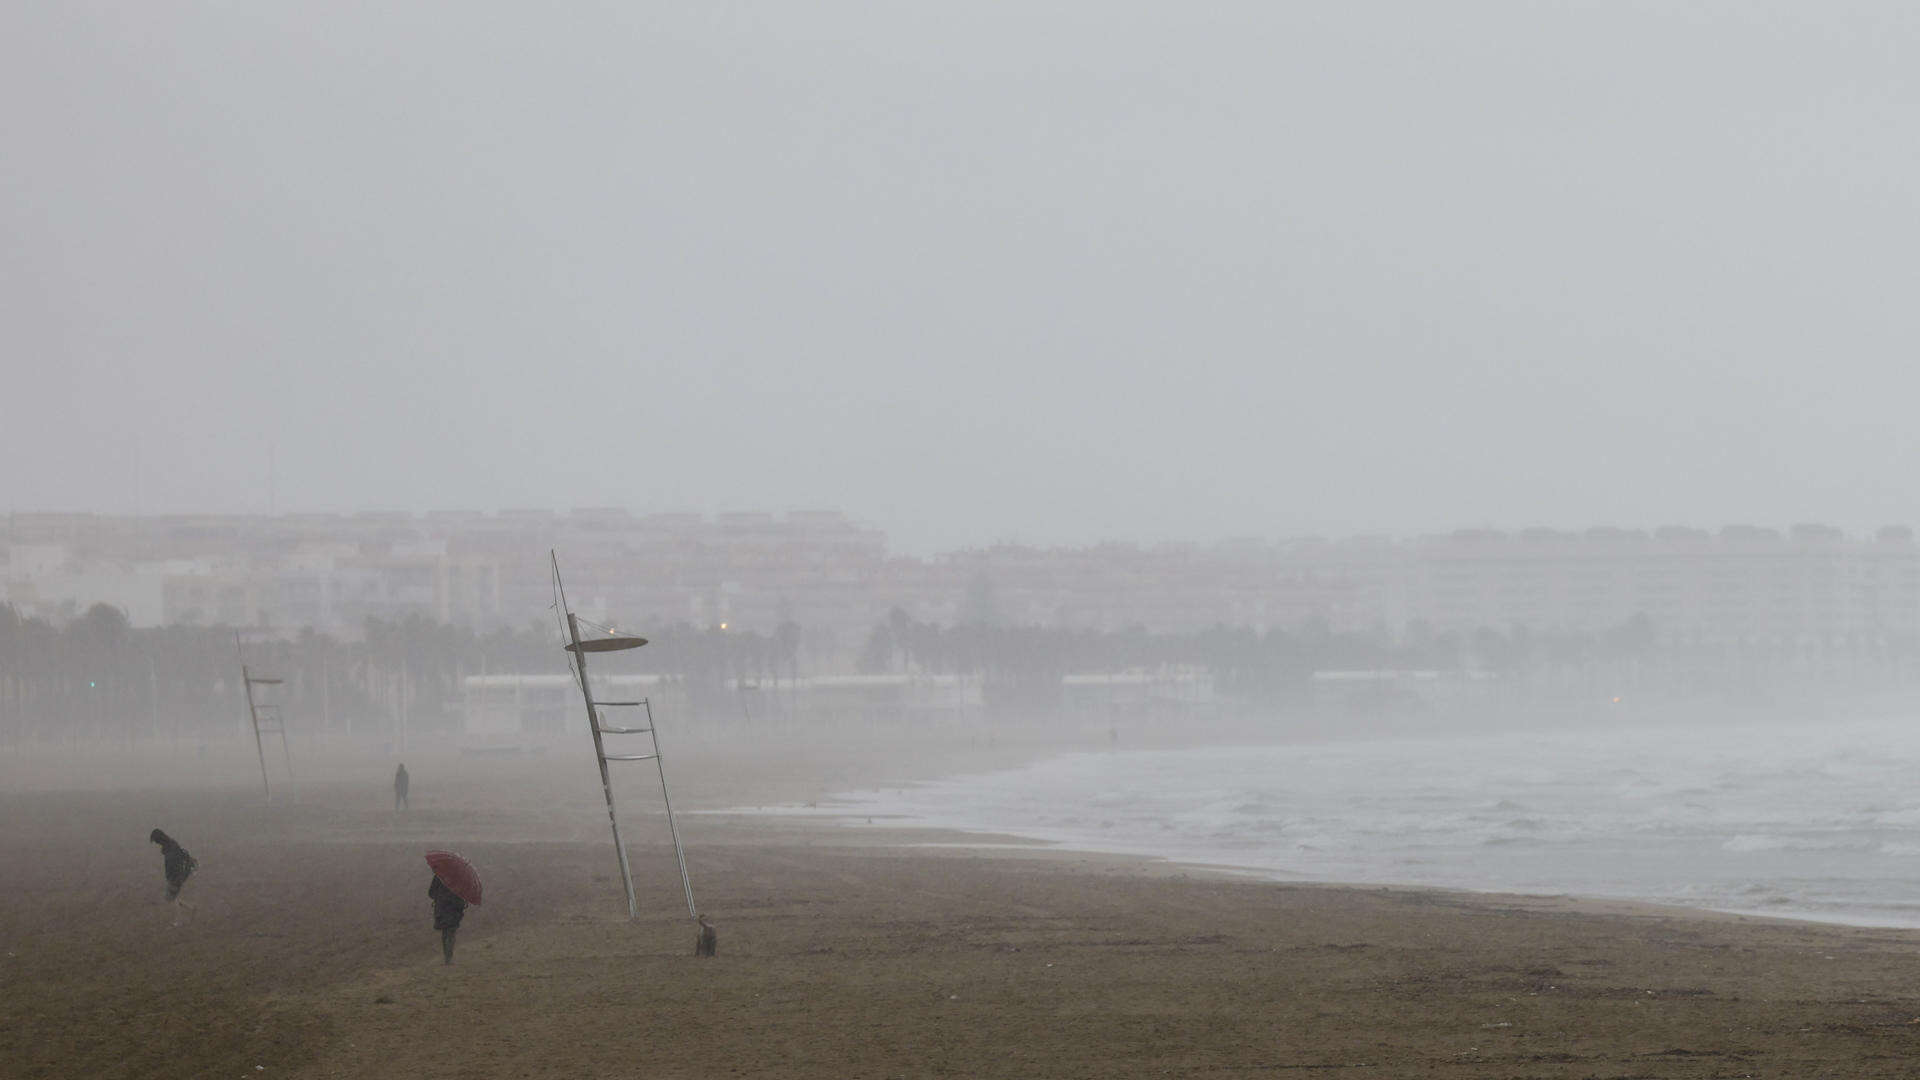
pixel 400 787
pixel 179 866
pixel 708 942
pixel 448 909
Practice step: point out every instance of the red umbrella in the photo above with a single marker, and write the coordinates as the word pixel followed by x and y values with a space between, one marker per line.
pixel 457 874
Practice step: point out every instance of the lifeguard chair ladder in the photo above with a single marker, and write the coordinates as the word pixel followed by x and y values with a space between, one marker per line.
pixel 597 724
pixel 267 720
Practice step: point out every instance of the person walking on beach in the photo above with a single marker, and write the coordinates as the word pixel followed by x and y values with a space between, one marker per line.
pixel 400 787
pixel 448 910
pixel 178 866
pixel 707 941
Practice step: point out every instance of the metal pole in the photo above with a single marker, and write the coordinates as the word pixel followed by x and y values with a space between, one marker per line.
pixel 246 680
pixel 600 754
pixel 326 696
pixel 660 765
pixel 153 697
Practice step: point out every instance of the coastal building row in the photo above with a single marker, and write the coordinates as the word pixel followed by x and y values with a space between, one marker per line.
pixel 836 578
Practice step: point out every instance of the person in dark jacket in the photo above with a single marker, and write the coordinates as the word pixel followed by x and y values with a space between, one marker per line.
pixel 706 942
pixel 400 787
pixel 448 910
pixel 178 866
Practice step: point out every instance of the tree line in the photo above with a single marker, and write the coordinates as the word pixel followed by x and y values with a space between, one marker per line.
pixel 1274 666
pixel 97 677
pixel 1026 664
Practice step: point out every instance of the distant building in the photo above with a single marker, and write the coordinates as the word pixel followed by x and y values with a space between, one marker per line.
pixel 1810 586
pixel 1744 584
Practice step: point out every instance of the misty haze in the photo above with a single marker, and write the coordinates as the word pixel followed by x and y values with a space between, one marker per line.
pixel 1056 540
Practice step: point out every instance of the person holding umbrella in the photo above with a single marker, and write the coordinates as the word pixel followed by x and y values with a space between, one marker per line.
pixel 455 885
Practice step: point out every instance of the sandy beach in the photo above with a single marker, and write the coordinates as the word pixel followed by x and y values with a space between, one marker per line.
pixel 844 952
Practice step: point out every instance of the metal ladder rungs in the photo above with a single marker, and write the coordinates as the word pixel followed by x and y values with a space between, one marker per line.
pixel 597 725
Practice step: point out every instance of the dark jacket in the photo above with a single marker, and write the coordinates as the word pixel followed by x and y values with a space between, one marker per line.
pixel 178 864
pixel 448 908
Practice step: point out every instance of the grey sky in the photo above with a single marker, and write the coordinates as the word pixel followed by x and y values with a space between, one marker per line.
pixel 1050 272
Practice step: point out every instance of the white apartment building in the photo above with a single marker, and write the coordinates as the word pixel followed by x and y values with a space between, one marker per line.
pixel 1808 585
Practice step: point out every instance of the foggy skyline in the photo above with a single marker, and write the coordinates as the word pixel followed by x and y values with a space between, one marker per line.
pixel 1056 273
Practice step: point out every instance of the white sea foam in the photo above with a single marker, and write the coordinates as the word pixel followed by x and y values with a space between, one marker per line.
pixel 1815 822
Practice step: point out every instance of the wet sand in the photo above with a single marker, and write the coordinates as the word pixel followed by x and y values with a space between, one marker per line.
pixel 844 952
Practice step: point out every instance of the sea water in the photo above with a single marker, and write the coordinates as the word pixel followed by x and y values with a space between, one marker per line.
pixel 1806 822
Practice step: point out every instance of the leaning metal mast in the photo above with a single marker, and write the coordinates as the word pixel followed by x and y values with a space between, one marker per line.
pixel 267 719
pixel 580 647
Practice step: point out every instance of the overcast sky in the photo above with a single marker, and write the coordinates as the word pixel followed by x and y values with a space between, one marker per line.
pixel 1049 272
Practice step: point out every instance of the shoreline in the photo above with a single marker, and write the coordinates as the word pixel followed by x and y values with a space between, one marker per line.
pixel 896 836
pixel 896 828
pixel 848 952
pixel 798 780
